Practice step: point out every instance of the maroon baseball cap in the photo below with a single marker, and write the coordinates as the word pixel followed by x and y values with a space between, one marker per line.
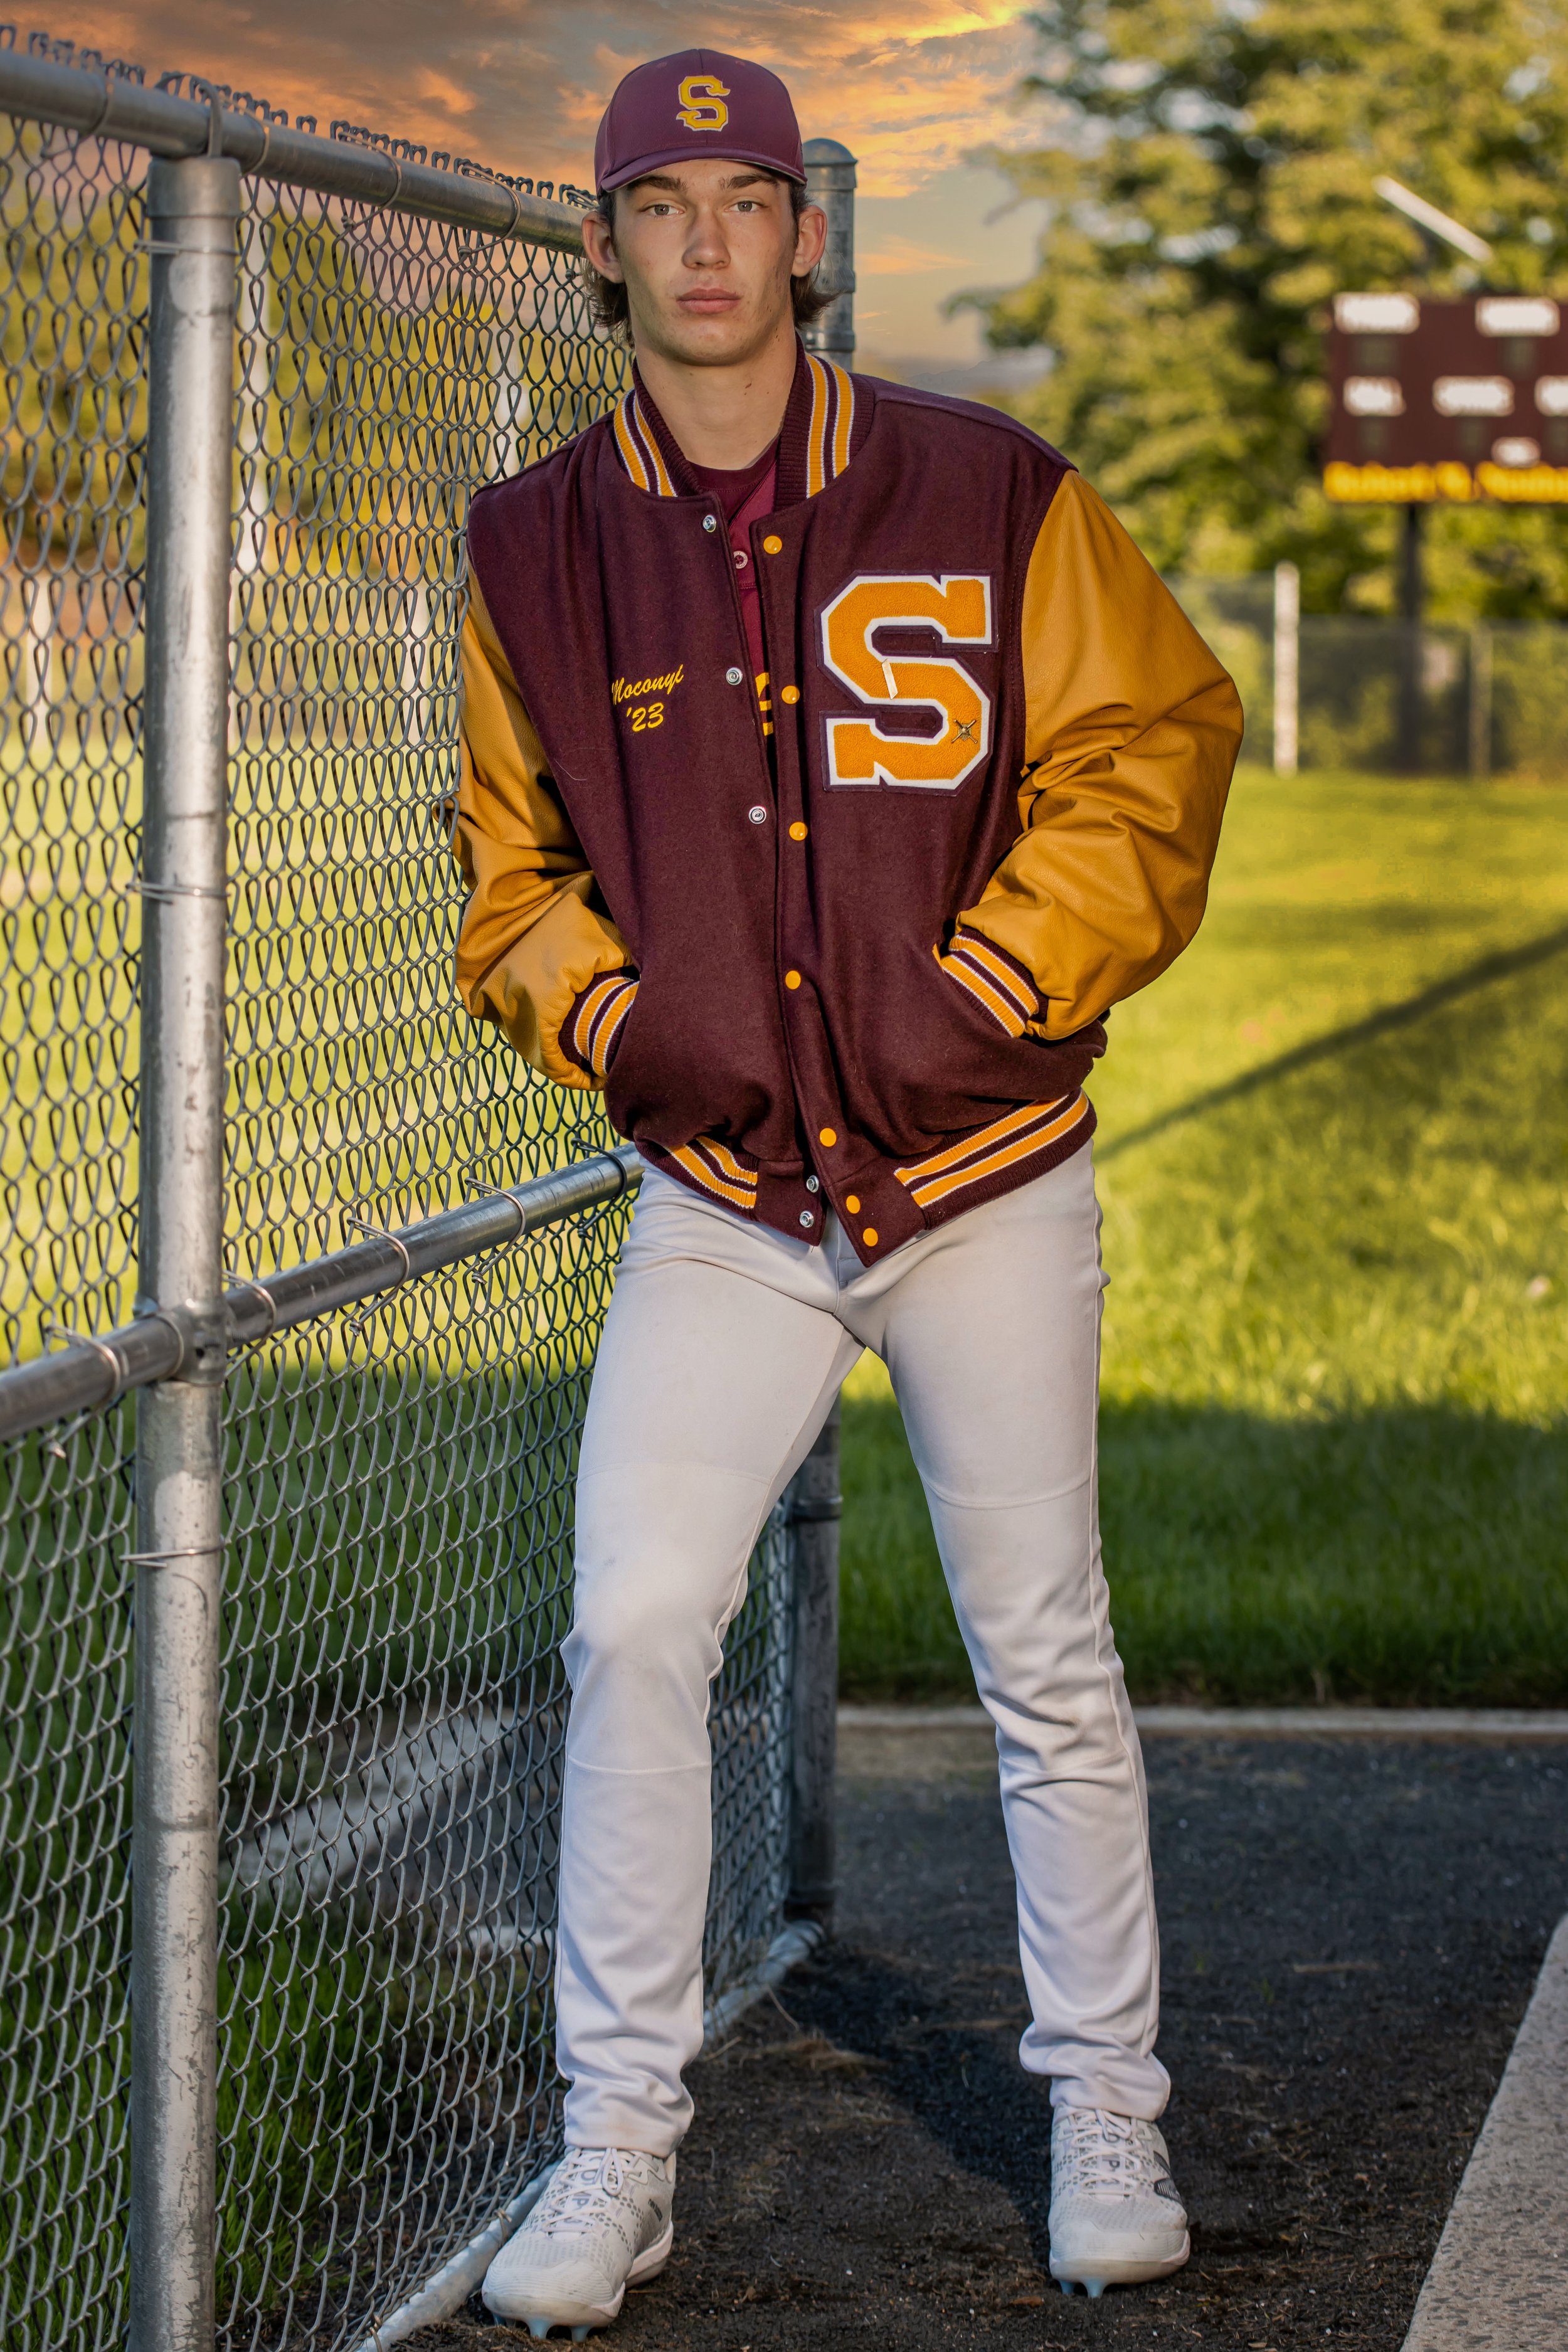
pixel 697 102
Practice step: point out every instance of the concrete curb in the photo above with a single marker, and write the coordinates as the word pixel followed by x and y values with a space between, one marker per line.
pixel 1505 1726
pixel 1498 2280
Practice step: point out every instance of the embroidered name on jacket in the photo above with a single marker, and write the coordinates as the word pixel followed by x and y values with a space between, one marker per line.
pixel 937 688
pixel 634 693
pixel 632 690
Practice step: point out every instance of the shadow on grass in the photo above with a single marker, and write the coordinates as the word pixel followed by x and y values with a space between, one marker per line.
pixel 1411 1556
pixel 1482 973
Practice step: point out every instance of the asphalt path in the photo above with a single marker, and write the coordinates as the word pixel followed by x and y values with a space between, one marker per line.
pixel 1352 1930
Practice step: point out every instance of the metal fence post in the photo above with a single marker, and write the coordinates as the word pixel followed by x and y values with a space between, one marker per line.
pixel 192 209
pixel 830 183
pixel 1413 607
pixel 814 1507
pixel 813 1501
pixel 1286 668
pixel 1481 704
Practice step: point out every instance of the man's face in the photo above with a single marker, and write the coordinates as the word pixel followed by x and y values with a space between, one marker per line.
pixel 706 252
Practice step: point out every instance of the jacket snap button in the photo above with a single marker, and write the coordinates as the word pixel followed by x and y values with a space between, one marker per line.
pixel 758 815
pixel 852 1202
pixel 806 1218
pixel 797 831
pixel 709 522
pixel 732 677
pixel 772 546
pixel 829 1136
pixel 789 694
pixel 791 980
pixel 812 1185
pixel 869 1236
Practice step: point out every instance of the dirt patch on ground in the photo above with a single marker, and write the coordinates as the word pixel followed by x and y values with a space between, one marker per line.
pixel 1350 1935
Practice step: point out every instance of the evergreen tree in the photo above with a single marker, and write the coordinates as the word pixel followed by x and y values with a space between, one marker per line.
pixel 1208 177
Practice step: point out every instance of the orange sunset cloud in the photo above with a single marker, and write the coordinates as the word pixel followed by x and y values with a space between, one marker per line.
pixel 914 88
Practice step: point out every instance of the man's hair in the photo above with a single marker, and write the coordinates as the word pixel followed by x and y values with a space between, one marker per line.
pixel 607 297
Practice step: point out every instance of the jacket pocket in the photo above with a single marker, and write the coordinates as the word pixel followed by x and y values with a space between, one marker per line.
pixel 592 1029
pixel 999 986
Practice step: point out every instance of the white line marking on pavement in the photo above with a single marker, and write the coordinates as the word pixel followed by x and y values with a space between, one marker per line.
pixel 1498 2280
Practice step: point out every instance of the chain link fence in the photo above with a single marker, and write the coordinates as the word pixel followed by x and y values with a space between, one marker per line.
pixel 1490 700
pixel 396 1478
pixel 1237 618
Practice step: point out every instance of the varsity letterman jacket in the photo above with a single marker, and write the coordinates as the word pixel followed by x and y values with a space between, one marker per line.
pixel 845 930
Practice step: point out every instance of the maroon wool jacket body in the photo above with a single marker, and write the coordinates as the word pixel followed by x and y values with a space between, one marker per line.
pixel 784 897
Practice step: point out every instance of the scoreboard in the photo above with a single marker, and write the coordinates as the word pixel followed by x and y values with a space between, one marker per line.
pixel 1452 400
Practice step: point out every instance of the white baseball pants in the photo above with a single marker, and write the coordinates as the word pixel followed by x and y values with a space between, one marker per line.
pixel 724 1346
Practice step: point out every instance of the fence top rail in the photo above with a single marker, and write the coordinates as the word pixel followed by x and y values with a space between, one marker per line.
pixel 109 105
pixel 91 1374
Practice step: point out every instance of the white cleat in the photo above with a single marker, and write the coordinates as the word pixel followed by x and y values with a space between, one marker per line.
pixel 1116 2213
pixel 602 2224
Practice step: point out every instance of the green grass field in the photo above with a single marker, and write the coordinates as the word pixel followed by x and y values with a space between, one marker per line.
pixel 1334 1156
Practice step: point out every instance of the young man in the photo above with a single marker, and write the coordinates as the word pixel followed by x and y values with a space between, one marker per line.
pixel 833 762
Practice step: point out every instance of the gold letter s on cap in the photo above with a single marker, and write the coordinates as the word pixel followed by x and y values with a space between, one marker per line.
pixel 702 104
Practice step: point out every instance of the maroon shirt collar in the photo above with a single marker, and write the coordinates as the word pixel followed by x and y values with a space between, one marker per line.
pixel 735 487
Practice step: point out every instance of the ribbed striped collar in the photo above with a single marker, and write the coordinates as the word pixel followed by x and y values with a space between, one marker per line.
pixel 827 418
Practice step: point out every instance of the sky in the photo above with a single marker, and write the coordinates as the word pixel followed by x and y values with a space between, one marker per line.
pixel 913 87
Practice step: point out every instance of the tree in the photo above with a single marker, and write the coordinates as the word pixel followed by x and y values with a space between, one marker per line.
pixel 1208 177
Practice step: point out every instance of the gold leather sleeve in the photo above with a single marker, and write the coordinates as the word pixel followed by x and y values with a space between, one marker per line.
pixel 530 943
pixel 1132 730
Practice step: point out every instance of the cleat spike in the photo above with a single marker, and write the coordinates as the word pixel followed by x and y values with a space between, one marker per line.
pixel 1066 2286
pixel 1094 2286
pixel 579 2336
pixel 539 2327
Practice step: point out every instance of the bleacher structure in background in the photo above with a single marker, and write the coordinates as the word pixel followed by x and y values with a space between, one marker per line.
pixel 303 1274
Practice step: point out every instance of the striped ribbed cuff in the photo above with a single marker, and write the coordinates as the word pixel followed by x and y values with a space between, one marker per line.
pixel 717 1170
pixel 994 1151
pixel 589 1031
pixel 1005 990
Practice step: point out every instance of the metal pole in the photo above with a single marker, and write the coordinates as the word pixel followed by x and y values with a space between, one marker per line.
pixel 111 106
pixel 830 183
pixel 814 1501
pixel 1412 605
pixel 192 208
pixel 1286 668
pixel 814 1507
pixel 1480 714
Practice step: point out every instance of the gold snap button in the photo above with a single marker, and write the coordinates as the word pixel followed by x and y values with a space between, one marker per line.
pixel 772 546
pixel 797 831
pixel 869 1236
pixel 829 1136
pixel 790 694
pixel 791 980
pixel 852 1204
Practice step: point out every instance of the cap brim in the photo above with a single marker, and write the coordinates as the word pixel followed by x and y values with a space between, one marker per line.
pixel 692 154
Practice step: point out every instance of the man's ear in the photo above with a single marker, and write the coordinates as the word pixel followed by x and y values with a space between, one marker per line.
pixel 810 240
pixel 599 244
